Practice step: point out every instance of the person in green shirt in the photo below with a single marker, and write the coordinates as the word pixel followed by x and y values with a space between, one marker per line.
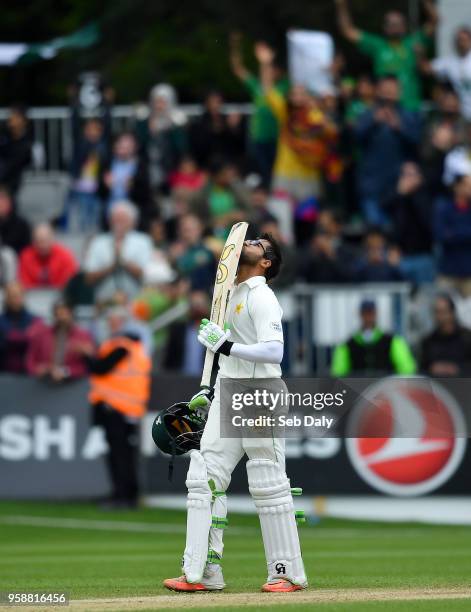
pixel 396 51
pixel 263 126
pixel 371 351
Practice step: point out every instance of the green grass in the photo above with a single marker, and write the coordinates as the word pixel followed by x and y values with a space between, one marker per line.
pixel 119 563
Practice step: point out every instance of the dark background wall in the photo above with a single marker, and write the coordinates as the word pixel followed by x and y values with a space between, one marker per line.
pixel 144 42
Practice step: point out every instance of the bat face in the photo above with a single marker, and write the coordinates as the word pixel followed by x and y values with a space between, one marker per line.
pixel 225 277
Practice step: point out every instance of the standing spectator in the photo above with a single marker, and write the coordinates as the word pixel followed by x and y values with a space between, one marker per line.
pixel 116 259
pixel 387 136
pixel 452 232
pixel 14 230
pixel 224 200
pixel 307 137
pixel 91 151
pixel 394 53
pixel 191 256
pixel 46 263
pixel 456 68
pixel 216 135
pixel 371 351
pixel 127 178
pixel 15 148
pixel 263 127
pixel 411 211
pixel 446 351
pixel 379 264
pixel 161 136
pixel 119 392
pixel 15 331
pixel 57 353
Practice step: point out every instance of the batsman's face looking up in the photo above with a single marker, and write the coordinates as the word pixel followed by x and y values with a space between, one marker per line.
pixel 254 251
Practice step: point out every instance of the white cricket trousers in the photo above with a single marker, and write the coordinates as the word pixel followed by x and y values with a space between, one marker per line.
pixel 221 455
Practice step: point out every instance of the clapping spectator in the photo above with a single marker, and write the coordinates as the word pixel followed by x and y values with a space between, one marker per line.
pixel 46 263
pixel 224 199
pixel 452 233
pixel 58 352
pixel 16 323
pixel 15 148
pixel 14 230
pixel 126 178
pixel 395 52
pixel 116 259
pixel 446 351
pixel 263 127
pixel 216 134
pixel 161 136
pixel 387 136
pixel 411 211
pixel 91 141
pixel 379 264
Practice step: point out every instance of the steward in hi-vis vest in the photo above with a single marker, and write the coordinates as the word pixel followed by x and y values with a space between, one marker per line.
pixel 119 391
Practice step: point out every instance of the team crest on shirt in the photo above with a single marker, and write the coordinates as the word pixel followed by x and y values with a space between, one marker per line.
pixel 238 308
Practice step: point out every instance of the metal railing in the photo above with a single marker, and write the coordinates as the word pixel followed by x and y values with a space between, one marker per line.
pixel 325 315
pixel 52 131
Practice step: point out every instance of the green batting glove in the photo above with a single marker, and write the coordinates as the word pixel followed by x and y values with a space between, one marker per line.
pixel 202 400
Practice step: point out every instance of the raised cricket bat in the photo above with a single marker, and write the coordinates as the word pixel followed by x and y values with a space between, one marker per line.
pixel 225 278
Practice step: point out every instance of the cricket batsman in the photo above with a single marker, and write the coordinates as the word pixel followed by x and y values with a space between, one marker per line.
pixel 251 348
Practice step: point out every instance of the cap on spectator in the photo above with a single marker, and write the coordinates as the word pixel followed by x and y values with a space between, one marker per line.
pixel 367 305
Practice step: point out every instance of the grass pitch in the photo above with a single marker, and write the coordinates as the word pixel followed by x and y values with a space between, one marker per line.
pixel 117 561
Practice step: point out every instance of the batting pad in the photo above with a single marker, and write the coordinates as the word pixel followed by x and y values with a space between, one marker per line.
pixel 219 513
pixel 271 492
pixel 198 520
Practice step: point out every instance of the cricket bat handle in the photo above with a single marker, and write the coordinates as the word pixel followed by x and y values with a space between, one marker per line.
pixel 207 369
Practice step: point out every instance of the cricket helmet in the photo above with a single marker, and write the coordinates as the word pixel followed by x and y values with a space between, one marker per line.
pixel 177 429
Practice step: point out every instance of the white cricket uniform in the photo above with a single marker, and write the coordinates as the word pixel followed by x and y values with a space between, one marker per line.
pixel 457 70
pixel 254 315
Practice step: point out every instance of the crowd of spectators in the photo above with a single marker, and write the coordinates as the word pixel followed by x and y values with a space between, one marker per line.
pixel 365 181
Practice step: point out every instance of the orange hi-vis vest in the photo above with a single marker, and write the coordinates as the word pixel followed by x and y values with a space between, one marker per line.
pixel 126 387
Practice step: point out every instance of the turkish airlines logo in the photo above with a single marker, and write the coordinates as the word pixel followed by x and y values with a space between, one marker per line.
pixel 410 444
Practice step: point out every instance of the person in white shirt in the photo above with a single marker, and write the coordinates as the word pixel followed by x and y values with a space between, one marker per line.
pixel 252 348
pixel 455 68
pixel 115 260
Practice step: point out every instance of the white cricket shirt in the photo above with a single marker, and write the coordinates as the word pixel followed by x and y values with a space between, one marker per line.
pixel 254 315
pixel 457 70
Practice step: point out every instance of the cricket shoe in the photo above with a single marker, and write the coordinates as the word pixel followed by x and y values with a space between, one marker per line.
pixel 212 581
pixel 281 586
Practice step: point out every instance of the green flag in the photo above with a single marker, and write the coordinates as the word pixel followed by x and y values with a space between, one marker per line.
pixel 22 53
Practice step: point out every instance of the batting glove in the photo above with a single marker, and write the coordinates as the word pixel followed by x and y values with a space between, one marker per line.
pixel 202 400
pixel 214 337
